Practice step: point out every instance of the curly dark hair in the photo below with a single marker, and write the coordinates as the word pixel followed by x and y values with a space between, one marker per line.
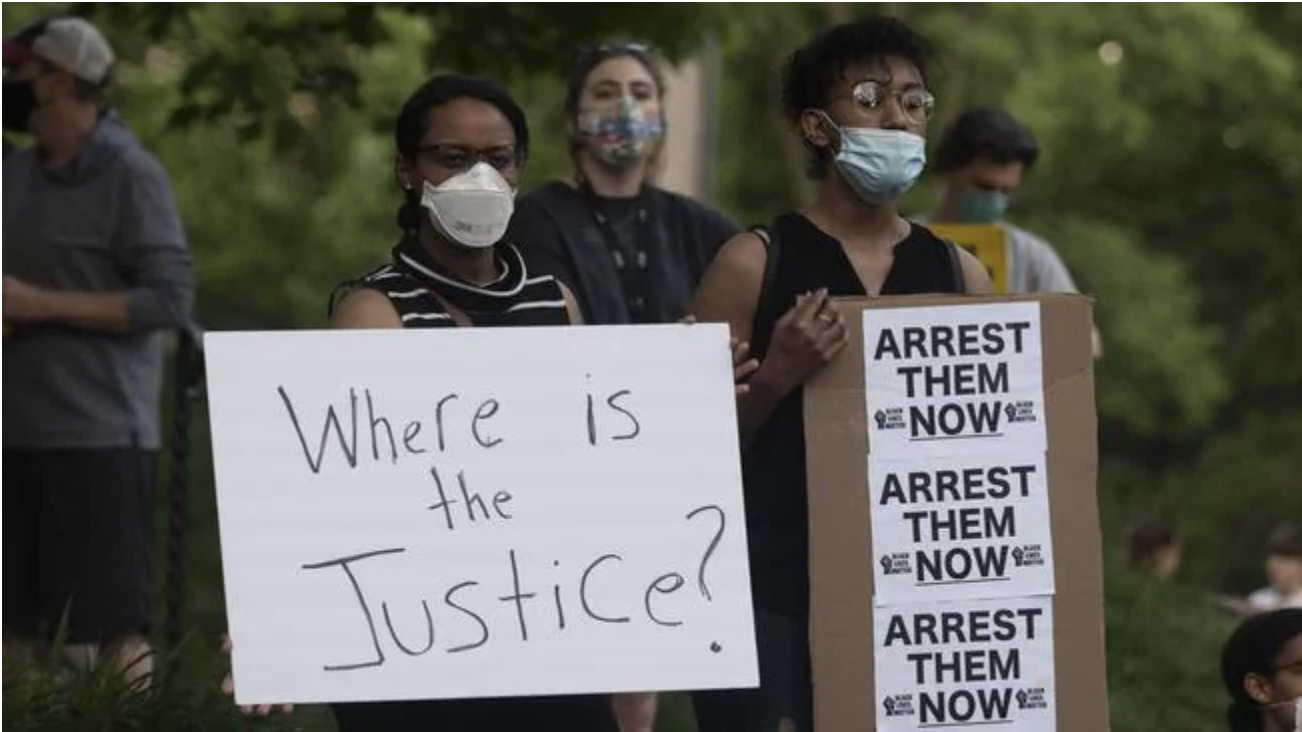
pixel 810 74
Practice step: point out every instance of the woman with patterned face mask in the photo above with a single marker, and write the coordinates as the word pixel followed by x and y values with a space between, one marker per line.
pixel 631 252
pixel 1261 667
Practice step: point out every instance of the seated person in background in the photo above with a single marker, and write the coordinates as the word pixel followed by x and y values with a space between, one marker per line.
pixel 1283 571
pixel 980 163
pixel 1154 548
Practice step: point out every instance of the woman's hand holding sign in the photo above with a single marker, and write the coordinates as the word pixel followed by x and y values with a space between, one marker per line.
pixel 742 363
pixel 805 339
pixel 228 688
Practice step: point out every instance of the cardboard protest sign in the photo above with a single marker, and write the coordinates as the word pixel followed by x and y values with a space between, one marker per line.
pixel 958 587
pixel 986 242
pixel 440 514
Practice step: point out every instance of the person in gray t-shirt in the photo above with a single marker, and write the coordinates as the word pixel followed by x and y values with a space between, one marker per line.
pixel 980 163
pixel 95 267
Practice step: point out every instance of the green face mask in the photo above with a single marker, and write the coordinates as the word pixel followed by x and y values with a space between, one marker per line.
pixel 981 207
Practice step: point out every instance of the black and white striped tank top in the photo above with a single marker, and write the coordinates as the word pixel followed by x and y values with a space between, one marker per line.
pixel 414 286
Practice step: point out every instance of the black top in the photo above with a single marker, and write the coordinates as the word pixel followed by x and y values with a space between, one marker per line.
pixel 777 513
pixel 411 282
pixel 633 260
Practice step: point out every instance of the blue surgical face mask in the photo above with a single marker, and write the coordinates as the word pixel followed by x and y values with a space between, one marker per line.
pixel 880 165
pixel 976 206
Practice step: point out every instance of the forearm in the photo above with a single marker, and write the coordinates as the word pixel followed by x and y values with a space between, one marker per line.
pixel 634 712
pixel 122 311
pixel 108 312
pixel 756 406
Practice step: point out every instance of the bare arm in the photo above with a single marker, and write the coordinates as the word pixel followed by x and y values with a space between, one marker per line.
pixel 571 305
pixel 975 276
pixel 107 312
pixel 364 309
pixel 729 293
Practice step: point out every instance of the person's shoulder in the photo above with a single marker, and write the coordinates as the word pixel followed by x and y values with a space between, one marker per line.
pixel 691 207
pixel 921 234
pixel 1024 239
pixel 1266 599
pixel 380 281
pixel 136 162
pixel 550 190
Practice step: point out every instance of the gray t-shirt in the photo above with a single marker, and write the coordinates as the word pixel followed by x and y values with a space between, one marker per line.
pixel 105 222
pixel 1033 265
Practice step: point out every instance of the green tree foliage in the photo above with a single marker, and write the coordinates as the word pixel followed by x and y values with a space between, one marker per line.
pixel 1171 168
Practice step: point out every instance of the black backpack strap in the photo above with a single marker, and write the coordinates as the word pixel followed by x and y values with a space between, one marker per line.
pixel 956 264
pixel 767 309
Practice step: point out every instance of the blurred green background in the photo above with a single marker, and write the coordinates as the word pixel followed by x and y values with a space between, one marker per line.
pixel 1171 183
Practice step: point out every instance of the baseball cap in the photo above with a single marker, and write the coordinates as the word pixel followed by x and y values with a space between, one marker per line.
pixel 70 43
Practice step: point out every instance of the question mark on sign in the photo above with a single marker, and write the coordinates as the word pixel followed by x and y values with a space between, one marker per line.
pixel 709 552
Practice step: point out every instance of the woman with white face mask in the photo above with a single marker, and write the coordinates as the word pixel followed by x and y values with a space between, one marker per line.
pixel 1261 667
pixel 857 95
pixel 462 144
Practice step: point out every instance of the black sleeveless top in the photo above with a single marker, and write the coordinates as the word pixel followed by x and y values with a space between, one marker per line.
pixel 414 285
pixel 777 514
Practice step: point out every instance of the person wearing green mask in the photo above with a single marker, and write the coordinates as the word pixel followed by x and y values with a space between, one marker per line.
pixel 980 164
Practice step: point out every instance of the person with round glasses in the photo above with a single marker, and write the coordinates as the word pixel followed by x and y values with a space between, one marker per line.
pixel 857 95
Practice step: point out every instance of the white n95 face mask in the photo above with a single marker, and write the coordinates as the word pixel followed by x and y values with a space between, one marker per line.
pixel 472 208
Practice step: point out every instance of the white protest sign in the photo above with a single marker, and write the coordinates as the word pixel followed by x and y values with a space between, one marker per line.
pixel 966 666
pixel 440 514
pixel 944 381
pixel 971 527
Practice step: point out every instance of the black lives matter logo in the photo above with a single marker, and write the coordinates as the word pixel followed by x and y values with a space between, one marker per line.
pixel 891 418
pixel 898 705
pixel 1020 413
pixel 899 563
pixel 1034 698
pixel 1028 555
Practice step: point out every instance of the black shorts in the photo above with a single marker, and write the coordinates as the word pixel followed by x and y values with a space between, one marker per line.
pixel 76 538
pixel 784 700
pixel 561 713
